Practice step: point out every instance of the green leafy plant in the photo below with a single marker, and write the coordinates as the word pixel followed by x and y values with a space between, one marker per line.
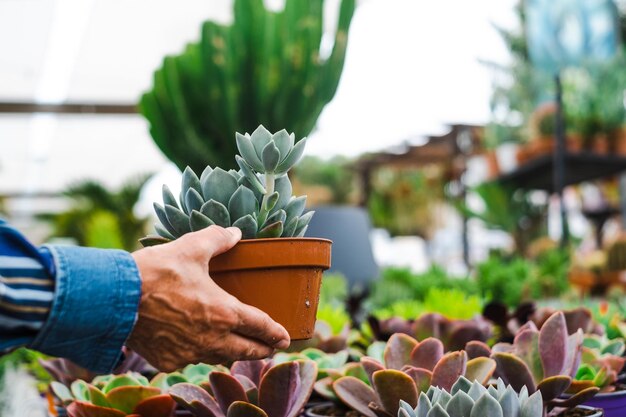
pixel 257 199
pixel 601 363
pixel 472 399
pixel 452 303
pixel 266 67
pixel 116 396
pixel 326 362
pixel 99 217
pixel 334 175
pixel 252 389
pixel 29 360
pixel 410 368
pixel 503 280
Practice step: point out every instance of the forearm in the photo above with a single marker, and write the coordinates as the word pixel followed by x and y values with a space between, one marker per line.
pixel 72 302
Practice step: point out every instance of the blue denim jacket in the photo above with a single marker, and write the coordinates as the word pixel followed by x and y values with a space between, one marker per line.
pixel 94 306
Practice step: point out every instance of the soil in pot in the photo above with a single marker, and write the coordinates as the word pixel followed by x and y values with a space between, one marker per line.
pixel 279 276
pixel 582 411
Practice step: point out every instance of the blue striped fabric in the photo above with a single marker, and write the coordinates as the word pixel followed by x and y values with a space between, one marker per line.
pixel 26 288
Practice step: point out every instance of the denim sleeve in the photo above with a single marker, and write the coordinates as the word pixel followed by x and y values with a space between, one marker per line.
pixel 95 306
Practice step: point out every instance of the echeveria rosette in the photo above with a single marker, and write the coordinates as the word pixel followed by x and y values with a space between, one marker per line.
pixel 543 360
pixel 472 399
pixel 251 389
pixel 410 368
pixel 257 199
pixel 117 396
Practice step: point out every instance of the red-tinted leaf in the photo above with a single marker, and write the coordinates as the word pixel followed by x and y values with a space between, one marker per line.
pixel 553 345
pixel 421 377
pixel 449 369
pixel 480 369
pixel 356 394
pixel 250 369
pixel 527 349
pixel 514 371
pixel 553 386
pixel 573 354
pixel 196 400
pixel 243 409
pixel 398 351
pixel 159 406
pixel 477 349
pixel 286 388
pixel 391 386
pixel 427 353
pixel 371 365
pixel 226 389
pixel 83 409
pixel 576 399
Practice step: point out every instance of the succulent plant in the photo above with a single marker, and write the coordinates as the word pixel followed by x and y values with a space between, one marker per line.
pixel 410 368
pixel 326 362
pixel 252 389
pixel 66 372
pixel 117 396
pixel 197 374
pixel 331 334
pixel 543 360
pixel 453 333
pixel 257 199
pixel 324 386
pixel 602 361
pixel 472 399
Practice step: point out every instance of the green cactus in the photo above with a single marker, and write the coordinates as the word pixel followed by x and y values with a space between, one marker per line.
pixel 616 256
pixel 257 199
pixel 266 67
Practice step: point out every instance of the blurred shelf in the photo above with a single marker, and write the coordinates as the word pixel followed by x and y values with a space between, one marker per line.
pixel 537 174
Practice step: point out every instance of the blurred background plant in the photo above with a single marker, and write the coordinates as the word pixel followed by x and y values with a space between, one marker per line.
pixel 325 181
pixel 267 67
pixel 99 217
pixel 452 303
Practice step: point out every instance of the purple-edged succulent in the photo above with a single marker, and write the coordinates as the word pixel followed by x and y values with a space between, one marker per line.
pixel 323 339
pixel 66 372
pixel 543 360
pixel 453 333
pixel 410 367
pixel 251 389
pixel 118 396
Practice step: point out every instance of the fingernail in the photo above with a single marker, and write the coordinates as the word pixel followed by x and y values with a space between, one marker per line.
pixel 282 344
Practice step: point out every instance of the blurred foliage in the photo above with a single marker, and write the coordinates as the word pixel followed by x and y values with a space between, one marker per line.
pixel 335 316
pixel 452 303
pixel 405 202
pixel 265 68
pixel 334 290
pixel 397 284
pixel 335 175
pixel 29 360
pixel 592 93
pixel 510 211
pixel 99 217
pixel 516 279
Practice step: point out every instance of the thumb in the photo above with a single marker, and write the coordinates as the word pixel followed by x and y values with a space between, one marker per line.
pixel 211 241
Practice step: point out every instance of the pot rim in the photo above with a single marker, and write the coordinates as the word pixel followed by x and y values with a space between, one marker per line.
pixel 273 253
pixel 599 411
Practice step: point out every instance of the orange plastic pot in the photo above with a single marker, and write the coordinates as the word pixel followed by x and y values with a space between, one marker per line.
pixel 279 276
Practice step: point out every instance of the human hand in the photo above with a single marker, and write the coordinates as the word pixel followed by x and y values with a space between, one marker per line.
pixel 185 317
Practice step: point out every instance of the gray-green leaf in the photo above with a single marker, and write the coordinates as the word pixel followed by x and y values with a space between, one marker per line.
pixel 423 405
pixel 217 212
pixel 260 138
pixel 460 405
pixel 163 232
pixel 295 207
pixel 168 197
pixel 293 157
pixel 248 226
pixel 190 180
pixel 247 152
pixel 438 411
pixel 193 200
pixel 219 185
pixel 509 403
pixel 242 203
pixel 271 231
pixel 271 157
pixel 160 212
pixel 277 216
pixel 178 220
pixel 487 406
pixel 250 175
pixel 198 221
pixel 284 142
pixel 290 227
pixel 284 190
pixel 532 406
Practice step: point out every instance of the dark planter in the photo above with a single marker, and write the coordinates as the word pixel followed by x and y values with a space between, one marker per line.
pixel 613 403
pixel 321 409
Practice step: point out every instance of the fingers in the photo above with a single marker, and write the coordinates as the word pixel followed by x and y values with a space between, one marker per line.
pixel 238 347
pixel 254 323
pixel 209 242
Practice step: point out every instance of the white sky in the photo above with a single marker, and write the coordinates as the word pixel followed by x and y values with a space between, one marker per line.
pixel 411 67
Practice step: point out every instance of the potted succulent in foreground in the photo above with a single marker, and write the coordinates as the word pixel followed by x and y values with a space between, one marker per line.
pixel 274 267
